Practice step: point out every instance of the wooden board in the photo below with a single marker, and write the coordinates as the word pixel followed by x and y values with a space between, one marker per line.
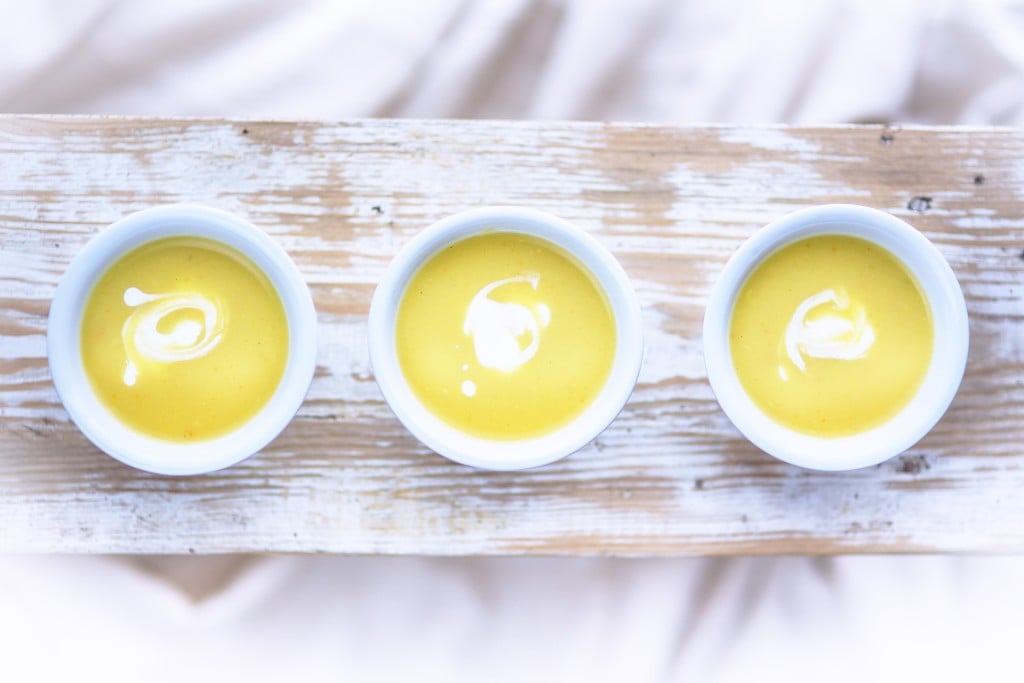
pixel 670 476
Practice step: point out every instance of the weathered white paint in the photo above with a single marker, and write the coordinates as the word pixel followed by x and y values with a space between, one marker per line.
pixel 670 476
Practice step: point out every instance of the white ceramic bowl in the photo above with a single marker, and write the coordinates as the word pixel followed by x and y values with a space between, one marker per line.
pixel 940 384
pixel 496 454
pixel 63 346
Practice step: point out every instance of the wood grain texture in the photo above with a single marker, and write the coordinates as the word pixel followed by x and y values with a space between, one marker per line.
pixel 670 476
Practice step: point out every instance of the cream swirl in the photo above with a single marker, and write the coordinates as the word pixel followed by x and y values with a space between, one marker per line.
pixel 843 333
pixel 187 338
pixel 497 327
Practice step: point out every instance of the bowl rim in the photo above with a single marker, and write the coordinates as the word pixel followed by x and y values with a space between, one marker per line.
pixel 942 379
pixel 492 454
pixel 121 441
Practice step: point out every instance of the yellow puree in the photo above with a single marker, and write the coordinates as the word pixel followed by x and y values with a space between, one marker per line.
pixel 834 296
pixel 184 339
pixel 504 336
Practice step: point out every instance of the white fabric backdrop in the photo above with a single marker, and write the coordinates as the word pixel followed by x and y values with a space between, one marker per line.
pixel 398 619
pixel 320 618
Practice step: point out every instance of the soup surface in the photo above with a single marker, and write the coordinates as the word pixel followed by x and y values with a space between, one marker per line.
pixel 831 335
pixel 505 336
pixel 184 339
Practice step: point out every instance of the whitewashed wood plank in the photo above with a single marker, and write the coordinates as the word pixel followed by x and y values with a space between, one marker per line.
pixel 671 475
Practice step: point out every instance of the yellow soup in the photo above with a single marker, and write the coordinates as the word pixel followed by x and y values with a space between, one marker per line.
pixel 184 339
pixel 504 336
pixel 831 335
